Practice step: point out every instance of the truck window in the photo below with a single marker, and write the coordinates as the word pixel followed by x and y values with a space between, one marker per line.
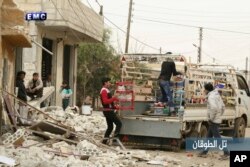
pixel 242 84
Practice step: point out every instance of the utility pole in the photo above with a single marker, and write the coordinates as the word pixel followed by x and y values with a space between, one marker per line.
pixel 246 72
pixel 160 50
pixel 128 27
pixel 199 48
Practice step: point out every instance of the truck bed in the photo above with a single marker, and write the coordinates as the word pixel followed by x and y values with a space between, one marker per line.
pixel 152 117
pixel 151 126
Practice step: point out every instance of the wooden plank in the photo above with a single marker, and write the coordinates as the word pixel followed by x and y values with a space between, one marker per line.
pixel 52 136
pixel 46 126
pixel 1 115
pixel 34 108
pixel 138 73
pixel 47 91
pixel 9 110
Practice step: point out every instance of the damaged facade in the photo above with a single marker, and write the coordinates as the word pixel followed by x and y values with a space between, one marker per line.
pixel 68 24
pixel 14 35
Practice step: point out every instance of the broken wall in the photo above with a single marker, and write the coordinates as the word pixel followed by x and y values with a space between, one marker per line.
pixel 1 58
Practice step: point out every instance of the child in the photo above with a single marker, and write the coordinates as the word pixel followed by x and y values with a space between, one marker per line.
pixel 66 92
pixel 108 105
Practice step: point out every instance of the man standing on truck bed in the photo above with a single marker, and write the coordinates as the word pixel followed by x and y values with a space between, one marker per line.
pixel 216 109
pixel 167 70
pixel 108 110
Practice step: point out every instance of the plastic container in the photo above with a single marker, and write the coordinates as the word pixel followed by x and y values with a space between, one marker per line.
pixel 181 112
pixel 86 110
pixel 180 83
pixel 166 111
pixel 158 110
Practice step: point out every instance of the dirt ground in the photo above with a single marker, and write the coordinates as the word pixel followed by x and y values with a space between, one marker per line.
pixel 192 161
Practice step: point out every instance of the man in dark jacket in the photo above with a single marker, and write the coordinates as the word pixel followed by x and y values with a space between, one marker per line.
pixel 167 70
pixel 21 94
pixel 108 110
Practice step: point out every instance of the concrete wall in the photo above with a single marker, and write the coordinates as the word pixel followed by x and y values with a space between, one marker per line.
pixel 9 41
pixel 29 5
pixel 8 66
pixel 72 14
pixel 1 58
pixel 70 22
pixel 31 60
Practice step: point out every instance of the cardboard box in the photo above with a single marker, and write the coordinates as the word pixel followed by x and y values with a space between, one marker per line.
pixel 142 90
pixel 149 84
pixel 140 98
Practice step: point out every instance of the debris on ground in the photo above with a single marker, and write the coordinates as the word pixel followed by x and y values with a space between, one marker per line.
pixel 64 139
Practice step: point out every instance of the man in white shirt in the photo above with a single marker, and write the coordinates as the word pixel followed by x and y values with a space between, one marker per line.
pixel 215 110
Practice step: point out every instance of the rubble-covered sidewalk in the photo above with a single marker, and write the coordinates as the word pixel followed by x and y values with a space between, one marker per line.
pixel 65 138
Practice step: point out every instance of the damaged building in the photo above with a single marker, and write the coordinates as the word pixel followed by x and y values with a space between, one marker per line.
pixel 14 36
pixel 55 41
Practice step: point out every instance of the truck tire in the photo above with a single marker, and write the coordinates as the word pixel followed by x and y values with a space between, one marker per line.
pixel 239 128
pixel 203 131
pixel 178 146
pixel 193 134
pixel 201 134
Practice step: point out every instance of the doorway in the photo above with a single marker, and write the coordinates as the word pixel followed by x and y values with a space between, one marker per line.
pixel 66 63
pixel 46 59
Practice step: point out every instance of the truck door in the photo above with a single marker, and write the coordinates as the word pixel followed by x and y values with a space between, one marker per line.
pixel 243 98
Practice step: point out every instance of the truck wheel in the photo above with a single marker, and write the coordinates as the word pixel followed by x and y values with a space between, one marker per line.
pixel 239 128
pixel 203 132
pixel 193 134
pixel 178 145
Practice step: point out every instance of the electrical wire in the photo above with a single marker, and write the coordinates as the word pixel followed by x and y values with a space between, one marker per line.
pixel 183 25
pixel 66 21
pixel 124 30
pixel 191 15
pixel 131 35
pixel 191 26
pixel 167 22
pixel 138 17
pixel 213 58
pixel 187 10
pixel 79 5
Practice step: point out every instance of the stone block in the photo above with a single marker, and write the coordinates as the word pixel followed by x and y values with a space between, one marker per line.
pixel 17 138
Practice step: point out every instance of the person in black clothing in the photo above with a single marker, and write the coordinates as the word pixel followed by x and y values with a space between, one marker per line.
pixel 21 94
pixel 167 70
pixel 109 107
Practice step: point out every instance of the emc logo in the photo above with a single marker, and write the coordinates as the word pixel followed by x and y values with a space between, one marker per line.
pixel 36 16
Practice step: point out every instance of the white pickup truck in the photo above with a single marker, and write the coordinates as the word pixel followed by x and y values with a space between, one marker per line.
pixel 141 129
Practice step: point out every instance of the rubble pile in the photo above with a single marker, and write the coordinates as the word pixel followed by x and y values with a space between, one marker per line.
pixel 62 154
pixel 57 138
pixel 87 124
pixel 31 150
